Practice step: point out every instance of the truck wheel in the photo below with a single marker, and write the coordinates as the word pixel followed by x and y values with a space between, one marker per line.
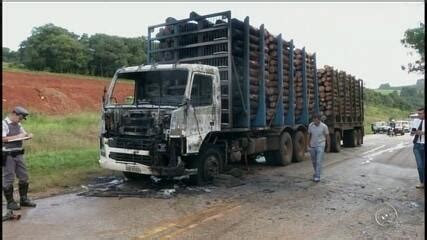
pixel 359 137
pixel 336 142
pixel 209 164
pixel 283 156
pixel 350 138
pixel 299 146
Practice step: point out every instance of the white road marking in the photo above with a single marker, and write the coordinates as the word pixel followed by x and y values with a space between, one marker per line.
pixel 368 158
pixel 373 150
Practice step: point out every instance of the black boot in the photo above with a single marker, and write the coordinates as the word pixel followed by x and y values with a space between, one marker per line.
pixel 23 190
pixel 8 194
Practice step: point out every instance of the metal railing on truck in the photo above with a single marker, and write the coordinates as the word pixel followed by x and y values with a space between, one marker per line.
pixel 240 51
pixel 198 39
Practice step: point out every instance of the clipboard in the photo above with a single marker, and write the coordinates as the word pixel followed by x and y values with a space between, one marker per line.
pixel 19 139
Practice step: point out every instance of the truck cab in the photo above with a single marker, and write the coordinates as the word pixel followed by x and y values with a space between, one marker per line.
pixel 155 117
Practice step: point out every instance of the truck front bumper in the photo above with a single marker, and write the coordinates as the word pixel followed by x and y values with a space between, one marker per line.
pixel 144 169
pixel 162 171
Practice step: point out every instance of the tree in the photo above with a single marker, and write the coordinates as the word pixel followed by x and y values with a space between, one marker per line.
pixel 385 86
pixel 112 52
pixel 108 54
pixel 9 55
pixel 54 49
pixel 408 92
pixel 414 38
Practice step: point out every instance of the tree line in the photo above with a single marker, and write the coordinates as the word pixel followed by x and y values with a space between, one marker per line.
pixel 55 49
pixel 410 98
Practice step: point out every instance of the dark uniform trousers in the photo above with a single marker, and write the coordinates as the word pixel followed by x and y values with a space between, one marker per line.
pixel 15 163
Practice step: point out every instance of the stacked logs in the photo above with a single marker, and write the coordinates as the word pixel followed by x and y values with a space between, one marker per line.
pixel 339 95
pixel 238 56
pixel 255 70
pixel 327 77
pixel 286 53
pixel 254 61
pixel 183 40
pixel 298 81
pixel 358 103
pixel 271 82
pixel 352 110
pixel 165 42
pixel 310 69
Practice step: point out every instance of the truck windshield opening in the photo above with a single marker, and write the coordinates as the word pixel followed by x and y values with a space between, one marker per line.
pixel 163 87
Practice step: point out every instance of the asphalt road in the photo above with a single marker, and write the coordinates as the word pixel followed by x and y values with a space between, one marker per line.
pixel 366 192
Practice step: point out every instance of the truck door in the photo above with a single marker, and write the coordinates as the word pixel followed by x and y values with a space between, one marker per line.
pixel 202 116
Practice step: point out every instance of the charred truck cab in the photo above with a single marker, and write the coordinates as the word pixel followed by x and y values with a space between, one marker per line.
pixel 156 117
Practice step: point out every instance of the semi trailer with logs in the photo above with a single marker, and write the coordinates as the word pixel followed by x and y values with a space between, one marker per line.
pixel 341 104
pixel 216 91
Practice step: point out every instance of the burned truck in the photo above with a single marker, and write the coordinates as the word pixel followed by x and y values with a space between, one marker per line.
pixel 215 91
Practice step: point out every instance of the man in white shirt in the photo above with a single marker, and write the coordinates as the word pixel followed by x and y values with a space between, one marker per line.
pixel 317 139
pixel 418 129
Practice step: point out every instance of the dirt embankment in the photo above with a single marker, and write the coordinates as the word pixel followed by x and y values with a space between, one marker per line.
pixel 51 94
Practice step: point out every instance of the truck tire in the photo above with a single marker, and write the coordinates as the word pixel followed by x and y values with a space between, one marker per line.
pixel 300 145
pixel 350 138
pixel 209 164
pixel 336 142
pixel 283 156
pixel 359 137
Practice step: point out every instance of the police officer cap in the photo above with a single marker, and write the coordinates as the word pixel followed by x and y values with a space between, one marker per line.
pixel 18 110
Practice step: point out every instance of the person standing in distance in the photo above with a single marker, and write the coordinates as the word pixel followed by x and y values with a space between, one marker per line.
pixel 13 158
pixel 318 136
pixel 419 142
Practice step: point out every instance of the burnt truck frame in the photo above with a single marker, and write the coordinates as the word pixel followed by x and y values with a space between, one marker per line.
pixel 191 142
pixel 155 137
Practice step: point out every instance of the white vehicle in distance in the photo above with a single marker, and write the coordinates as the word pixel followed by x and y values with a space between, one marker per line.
pixel 405 125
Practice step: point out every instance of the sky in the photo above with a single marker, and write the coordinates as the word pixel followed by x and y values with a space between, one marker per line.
pixel 362 39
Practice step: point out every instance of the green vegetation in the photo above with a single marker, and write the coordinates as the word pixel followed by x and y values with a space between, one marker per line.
pixel 386 91
pixel 414 38
pixel 406 98
pixel 64 150
pixel 55 49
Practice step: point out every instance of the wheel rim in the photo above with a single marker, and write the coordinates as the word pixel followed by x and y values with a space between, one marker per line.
pixel 211 167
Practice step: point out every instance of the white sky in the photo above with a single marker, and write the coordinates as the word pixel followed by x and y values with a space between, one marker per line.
pixel 360 38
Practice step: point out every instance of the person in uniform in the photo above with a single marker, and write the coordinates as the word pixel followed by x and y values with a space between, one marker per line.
pixel 13 163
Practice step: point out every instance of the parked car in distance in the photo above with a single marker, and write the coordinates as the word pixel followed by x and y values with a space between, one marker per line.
pixel 405 125
pixel 380 127
pixel 399 128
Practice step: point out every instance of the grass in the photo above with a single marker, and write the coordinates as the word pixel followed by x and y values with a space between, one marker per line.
pixel 64 150
pixel 381 113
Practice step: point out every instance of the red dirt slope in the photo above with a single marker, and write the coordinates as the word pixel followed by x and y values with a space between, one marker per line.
pixel 51 94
